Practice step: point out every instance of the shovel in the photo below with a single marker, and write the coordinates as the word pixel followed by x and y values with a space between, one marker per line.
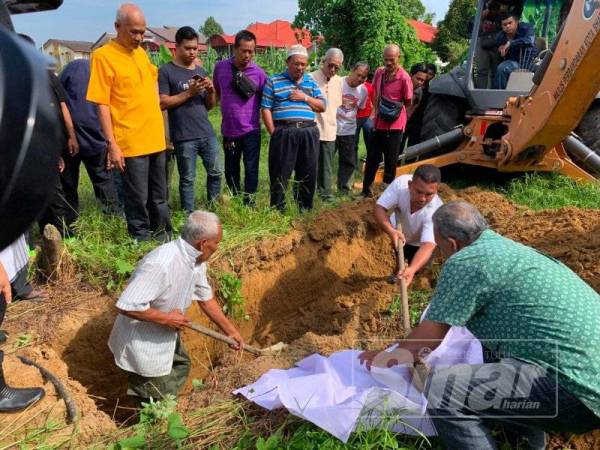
pixel 403 286
pixel 273 349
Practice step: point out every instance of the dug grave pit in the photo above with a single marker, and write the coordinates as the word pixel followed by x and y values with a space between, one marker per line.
pixel 320 288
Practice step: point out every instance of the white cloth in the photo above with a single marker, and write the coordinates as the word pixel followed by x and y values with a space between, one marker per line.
pixel 353 99
pixel 167 278
pixel 337 394
pixel 417 227
pixel 15 257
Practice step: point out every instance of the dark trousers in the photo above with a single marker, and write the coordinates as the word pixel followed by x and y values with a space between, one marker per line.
pixel 248 148
pixel 102 183
pixel 389 144
pixel 366 125
pixel 19 285
pixel 293 150
pixel 159 387
pixel 325 169
pixel 57 212
pixel 463 399
pixel 145 195
pixel 348 156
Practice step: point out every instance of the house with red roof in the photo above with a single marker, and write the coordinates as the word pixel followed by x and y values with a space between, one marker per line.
pixel 277 34
pixel 281 34
pixel 426 33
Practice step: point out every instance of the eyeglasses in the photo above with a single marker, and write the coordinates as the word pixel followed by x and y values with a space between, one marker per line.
pixel 333 66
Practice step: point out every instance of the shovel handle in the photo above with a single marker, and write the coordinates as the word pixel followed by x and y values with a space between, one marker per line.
pixel 403 286
pixel 221 337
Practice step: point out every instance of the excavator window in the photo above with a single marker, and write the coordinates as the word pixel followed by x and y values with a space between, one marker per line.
pixel 513 70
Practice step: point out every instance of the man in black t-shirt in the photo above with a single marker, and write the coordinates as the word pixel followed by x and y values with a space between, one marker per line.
pixel 58 211
pixel 188 94
pixel 92 143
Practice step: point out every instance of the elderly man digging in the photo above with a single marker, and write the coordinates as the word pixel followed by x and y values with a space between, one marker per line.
pixel 539 324
pixel 145 339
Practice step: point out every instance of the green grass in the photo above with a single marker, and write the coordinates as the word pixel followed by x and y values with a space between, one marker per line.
pixel 105 255
pixel 552 191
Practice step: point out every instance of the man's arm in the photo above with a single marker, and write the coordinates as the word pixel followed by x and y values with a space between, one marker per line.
pixel 424 338
pixel 210 100
pixel 212 309
pixel 267 117
pixel 115 158
pixel 175 319
pixel 5 288
pixel 422 256
pixel 383 220
pixel 72 144
pixel 173 101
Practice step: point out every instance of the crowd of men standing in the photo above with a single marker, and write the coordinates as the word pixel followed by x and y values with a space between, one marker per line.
pixel 113 115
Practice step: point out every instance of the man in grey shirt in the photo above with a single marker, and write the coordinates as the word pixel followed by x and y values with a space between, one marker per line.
pixel 145 338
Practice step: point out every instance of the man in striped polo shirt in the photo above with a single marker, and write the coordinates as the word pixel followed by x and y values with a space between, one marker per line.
pixel 289 105
pixel 145 339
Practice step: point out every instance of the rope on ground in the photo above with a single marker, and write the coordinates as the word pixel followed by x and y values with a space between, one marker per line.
pixel 72 416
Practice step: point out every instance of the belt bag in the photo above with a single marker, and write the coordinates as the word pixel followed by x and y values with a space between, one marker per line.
pixel 389 110
pixel 243 85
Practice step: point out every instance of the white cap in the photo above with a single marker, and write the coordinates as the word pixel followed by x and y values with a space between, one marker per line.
pixel 297 49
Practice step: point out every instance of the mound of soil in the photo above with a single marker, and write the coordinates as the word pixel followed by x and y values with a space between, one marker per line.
pixel 321 288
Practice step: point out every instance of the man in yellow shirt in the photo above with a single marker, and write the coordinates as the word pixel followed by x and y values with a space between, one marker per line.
pixel 123 84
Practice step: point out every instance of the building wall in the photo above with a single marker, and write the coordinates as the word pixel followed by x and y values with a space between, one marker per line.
pixel 63 55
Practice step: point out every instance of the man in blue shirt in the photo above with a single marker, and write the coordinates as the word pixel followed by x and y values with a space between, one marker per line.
pixel 516 44
pixel 289 105
pixel 92 144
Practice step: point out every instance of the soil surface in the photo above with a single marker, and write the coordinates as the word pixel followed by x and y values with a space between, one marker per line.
pixel 321 288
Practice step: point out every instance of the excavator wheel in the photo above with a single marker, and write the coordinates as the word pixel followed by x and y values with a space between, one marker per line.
pixel 589 127
pixel 443 113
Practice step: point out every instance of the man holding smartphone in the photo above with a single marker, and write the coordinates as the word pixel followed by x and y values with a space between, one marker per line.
pixel 188 94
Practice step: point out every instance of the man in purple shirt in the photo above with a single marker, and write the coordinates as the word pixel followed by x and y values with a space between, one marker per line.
pixel 239 83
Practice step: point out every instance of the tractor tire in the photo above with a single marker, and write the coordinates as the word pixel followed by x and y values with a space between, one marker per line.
pixel 443 113
pixel 589 127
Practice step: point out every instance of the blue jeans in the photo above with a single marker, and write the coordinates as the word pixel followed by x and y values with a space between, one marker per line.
pixel 505 68
pixel 186 153
pixel 248 148
pixel 463 398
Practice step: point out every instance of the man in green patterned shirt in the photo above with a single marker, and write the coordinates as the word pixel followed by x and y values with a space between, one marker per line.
pixel 539 324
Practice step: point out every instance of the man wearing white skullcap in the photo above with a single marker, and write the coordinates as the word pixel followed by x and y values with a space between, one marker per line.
pixel 290 102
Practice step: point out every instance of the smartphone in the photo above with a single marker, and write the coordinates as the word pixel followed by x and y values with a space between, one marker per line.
pixel 198 78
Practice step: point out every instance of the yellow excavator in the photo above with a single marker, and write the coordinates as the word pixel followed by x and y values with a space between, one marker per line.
pixel 529 126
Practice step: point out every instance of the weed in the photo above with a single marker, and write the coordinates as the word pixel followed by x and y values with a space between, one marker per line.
pixel 230 291
pixel 417 302
pixel 23 340
pixel 158 421
pixel 198 383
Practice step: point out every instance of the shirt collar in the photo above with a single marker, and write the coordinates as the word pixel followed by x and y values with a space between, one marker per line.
pixel 189 253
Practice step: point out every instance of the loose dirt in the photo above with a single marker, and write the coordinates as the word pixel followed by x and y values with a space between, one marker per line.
pixel 321 288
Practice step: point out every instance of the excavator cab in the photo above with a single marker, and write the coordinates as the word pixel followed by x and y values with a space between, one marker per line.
pixel 515 108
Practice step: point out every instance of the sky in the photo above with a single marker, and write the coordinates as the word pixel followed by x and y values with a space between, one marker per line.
pixel 86 20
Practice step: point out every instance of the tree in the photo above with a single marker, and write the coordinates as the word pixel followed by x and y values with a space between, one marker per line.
pixel 210 27
pixel 362 29
pixel 452 41
pixel 412 9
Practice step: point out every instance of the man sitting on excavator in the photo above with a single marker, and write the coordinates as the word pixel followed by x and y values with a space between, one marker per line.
pixel 516 44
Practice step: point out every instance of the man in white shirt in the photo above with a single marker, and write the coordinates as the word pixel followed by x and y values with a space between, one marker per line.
pixel 145 338
pixel 413 199
pixel 331 87
pixel 354 97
